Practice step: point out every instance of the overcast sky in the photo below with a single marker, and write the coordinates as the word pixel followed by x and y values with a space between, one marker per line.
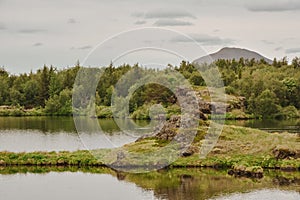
pixel 59 32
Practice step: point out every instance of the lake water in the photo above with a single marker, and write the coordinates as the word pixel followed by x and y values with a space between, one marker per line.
pixel 68 185
pixel 291 125
pixel 170 184
pixel 59 133
pixel 28 134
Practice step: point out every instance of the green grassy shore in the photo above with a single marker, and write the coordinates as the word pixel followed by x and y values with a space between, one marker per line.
pixel 238 148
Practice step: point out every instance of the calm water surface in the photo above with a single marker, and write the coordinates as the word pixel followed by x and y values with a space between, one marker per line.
pixel 67 185
pixel 59 133
pixel 173 184
pixel 291 125
pixel 265 194
pixel 27 134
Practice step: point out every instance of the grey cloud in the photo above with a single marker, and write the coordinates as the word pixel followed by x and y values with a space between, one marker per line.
pixel 85 47
pixel 37 44
pixel 2 27
pixel 72 21
pixel 171 22
pixel 148 41
pixel 267 42
pixel 292 50
pixel 168 14
pixel 31 31
pixel 273 6
pixel 278 48
pixel 140 22
pixel 206 40
pixel 138 14
pixel 159 14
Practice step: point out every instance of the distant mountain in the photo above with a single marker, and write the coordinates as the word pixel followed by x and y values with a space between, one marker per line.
pixel 232 53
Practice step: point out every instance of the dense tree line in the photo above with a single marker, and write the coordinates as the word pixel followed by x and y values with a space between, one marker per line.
pixel 271 90
pixel 38 90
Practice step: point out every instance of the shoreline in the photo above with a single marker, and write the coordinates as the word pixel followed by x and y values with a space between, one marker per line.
pixel 285 158
pixel 66 163
pixel 236 170
pixel 243 151
pixel 39 112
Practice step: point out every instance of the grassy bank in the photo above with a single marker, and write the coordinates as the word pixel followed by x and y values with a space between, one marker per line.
pixel 237 148
pixel 105 112
pixel 63 158
pixel 250 147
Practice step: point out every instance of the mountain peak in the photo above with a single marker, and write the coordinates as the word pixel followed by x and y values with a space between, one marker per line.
pixel 230 53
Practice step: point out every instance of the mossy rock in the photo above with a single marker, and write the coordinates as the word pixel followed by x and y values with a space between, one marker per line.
pixel 284 152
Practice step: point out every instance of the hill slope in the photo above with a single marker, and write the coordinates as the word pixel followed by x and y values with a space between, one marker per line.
pixel 232 53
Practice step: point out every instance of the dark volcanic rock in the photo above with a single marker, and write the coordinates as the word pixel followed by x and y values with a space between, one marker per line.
pixel 190 151
pixel 175 127
pixel 283 152
pixel 284 181
pixel 169 130
pixel 249 172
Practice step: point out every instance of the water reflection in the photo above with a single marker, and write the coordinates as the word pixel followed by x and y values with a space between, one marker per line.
pixel 171 184
pixel 264 194
pixel 19 134
pixel 69 185
pixel 57 124
pixel 28 134
pixel 34 140
pixel 291 125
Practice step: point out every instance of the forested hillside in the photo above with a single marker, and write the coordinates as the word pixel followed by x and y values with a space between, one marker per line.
pixel 271 90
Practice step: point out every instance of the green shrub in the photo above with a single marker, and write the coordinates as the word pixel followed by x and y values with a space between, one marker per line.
pixel 104 112
pixel 288 112
pixel 17 112
pixel 141 113
pixel 230 90
pixel 60 104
